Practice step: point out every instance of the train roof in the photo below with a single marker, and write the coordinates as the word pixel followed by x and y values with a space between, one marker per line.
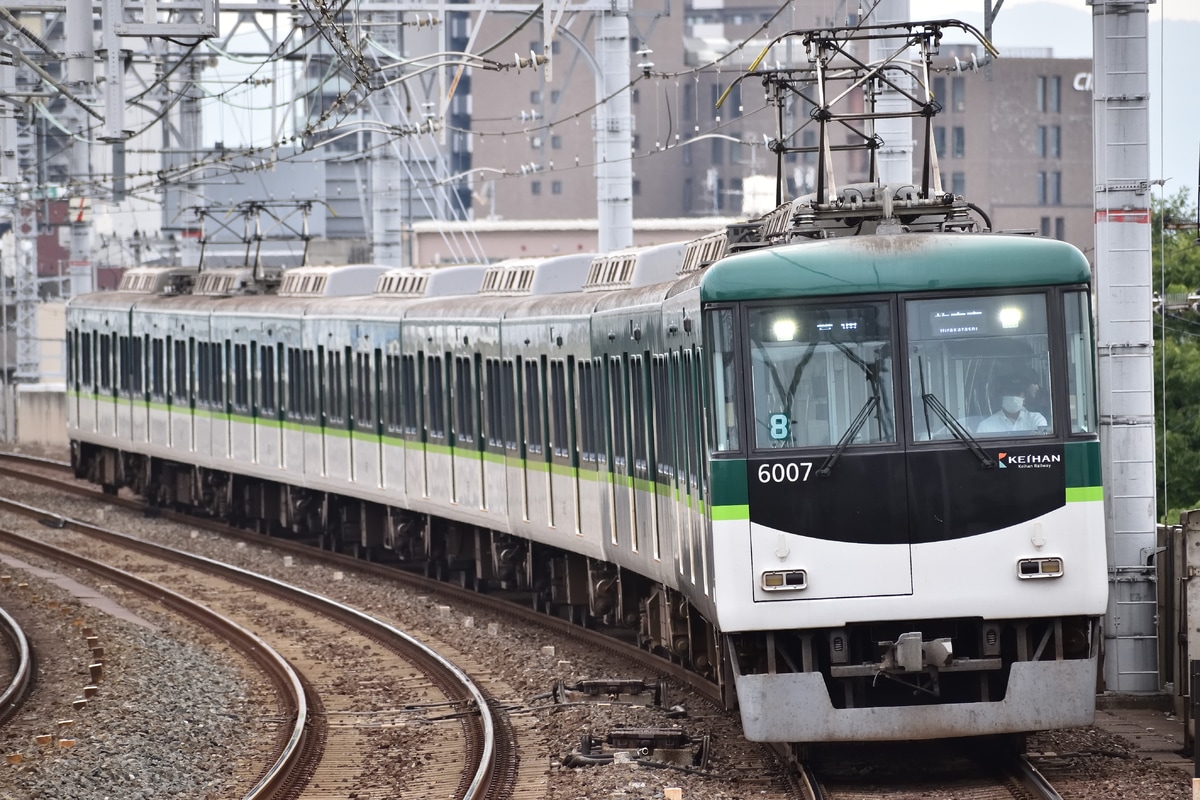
pixel 331 281
pixel 240 280
pixel 893 263
pixel 416 282
pixel 537 276
pixel 158 280
pixel 635 267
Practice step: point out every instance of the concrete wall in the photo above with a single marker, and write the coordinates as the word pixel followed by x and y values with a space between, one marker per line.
pixel 41 412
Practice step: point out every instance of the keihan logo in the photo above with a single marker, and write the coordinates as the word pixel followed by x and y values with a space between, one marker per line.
pixel 1027 461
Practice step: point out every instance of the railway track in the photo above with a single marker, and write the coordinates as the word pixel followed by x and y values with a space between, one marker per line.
pixel 16 666
pixel 322 753
pixel 758 764
pixel 932 770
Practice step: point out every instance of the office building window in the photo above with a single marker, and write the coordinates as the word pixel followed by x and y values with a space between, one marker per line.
pixel 535 187
pixel 958 94
pixel 555 142
pixel 1060 229
pixel 960 142
pixel 939 140
pixel 958 183
pixel 1049 94
pixel 1045 226
pixel 1054 145
pixel 1049 186
pixel 939 90
pixel 1042 138
pixel 555 187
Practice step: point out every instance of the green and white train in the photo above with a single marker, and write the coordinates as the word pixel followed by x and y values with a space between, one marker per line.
pixel 785 455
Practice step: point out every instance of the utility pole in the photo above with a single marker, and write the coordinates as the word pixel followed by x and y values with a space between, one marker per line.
pixel 613 128
pixel 895 154
pixel 1125 339
pixel 80 78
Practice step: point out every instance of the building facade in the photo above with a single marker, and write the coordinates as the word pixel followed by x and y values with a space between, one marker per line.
pixel 1013 136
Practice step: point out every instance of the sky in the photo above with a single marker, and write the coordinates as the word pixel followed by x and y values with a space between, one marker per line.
pixel 1066 26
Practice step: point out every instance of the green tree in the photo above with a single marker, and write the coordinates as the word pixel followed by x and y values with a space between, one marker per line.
pixel 1175 256
pixel 1176 260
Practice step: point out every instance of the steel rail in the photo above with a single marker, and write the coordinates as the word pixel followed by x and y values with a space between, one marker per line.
pixel 445 674
pixel 12 697
pixel 1033 780
pixel 276 667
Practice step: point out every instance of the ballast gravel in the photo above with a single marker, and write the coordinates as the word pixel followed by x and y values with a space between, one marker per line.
pixel 170 718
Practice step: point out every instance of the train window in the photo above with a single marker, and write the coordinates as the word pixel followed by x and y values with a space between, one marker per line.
pixel 587 420
pixel 661 402
pixel 124 365
pixel 464 399
pixel 180 369
pixel 533 409
pixel 362 392
pixel 391 394
pixel 85 359
pixel 241 378
pixel 691 391
pixel 267 381
pixel 558 400
pixel 725 396
pixel 495 409
pixel 202 368
pixel 979 363
pixel 137 367
pixel 508 391
pixel 158 369
pixel 308 382
pixel 218 374
pixel 618 379
pixel 822 375
pixel 1081 387
pixel 410 408
pixel 105 348
pixel 679 419
pixel 637 415
pixel 292 383
pixel 437 399
pixel 335 387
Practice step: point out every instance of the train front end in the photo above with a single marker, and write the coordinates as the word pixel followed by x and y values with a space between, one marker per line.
pixel 906 504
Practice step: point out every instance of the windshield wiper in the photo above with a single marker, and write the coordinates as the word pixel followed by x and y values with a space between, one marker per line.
pixel 863 415
pixel 956 427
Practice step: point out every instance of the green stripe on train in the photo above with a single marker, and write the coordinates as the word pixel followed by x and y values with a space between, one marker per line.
pixel 730 513
pixel 1085 494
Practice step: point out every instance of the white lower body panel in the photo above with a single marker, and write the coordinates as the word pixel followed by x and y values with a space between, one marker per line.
pixel 795 707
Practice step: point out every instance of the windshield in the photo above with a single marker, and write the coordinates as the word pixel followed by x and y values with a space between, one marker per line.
pixel 986 360
pixel 816 370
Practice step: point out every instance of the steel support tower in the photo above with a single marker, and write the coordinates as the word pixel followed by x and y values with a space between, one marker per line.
pixel 1125 341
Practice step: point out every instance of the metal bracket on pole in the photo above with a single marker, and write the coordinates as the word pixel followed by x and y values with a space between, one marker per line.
pixel 159 18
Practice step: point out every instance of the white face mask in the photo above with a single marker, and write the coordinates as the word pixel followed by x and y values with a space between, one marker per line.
pixel 1012 403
